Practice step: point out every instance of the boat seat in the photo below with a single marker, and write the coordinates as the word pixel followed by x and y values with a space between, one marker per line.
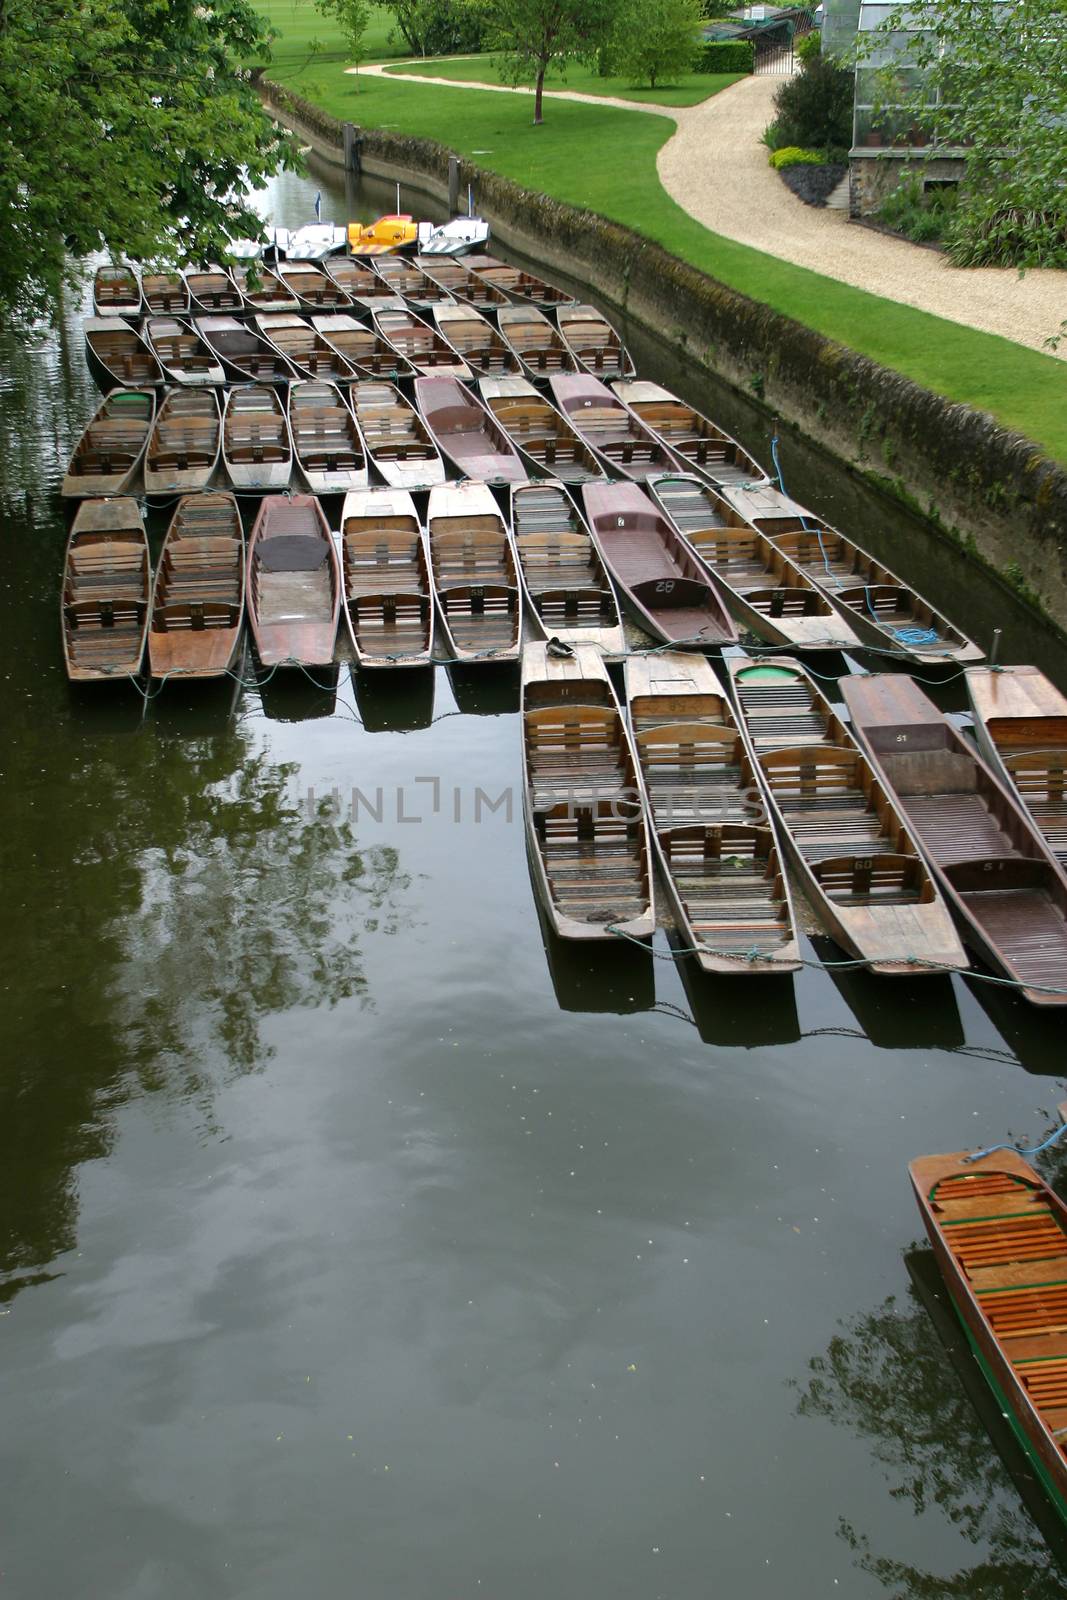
pixel 195 615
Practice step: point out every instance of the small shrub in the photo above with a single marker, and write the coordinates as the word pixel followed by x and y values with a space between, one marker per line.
pixel 791 156
pixel 922 217
pixel 813 109
pixel 807 47
pixel 772 136
pixel 726 55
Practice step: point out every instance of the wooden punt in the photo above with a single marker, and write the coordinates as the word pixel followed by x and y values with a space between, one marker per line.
pixel 719 854
pixel 118 356
pixel 406 279
pixel 476 341
pixel 705 448
pixel 542 435
pixel 244 353
pixel 659 577
pixel 107 580
pixel 472 564
pixel 859 864
pixel 294 583
pixel 585 823
pixel 182 354
pixel 595 344
pixel 1020 722
pixel 516 284
pixel 165 294
pixel 326 440
pixel 397 440
pixel 116 291
pixel 312 288
pixel 1005 886
pixel 185 444
pixel 466 432
pixel 388 596
pixel 107 457
pixel 363 348
pixel 270 294
pixel 309 351
pixel 563 578
pixel 539 346
pixel 199 595
pixel 607 427
pixel 766 591
pixel 999 1233
pixel 419 344
pixel 461 283
pixel 213 291
pixel 360 282
pixel 257 447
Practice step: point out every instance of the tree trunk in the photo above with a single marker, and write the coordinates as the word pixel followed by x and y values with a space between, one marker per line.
pixel 538 92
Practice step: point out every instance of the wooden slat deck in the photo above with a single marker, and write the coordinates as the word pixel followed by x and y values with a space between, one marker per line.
pixel 165 293
pixel 480 345
pixel 539 345
pixel 200 583
pixel 387 584
pixel 594 342
pixel 308 350
pixel 704 447
pixel 106 586
pixel 474 575
pixel 255 427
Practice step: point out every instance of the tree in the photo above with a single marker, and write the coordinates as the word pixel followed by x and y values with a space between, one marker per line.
pixel 440 27
pixel 352 17
pixel 534 34
pixel 129 126
pixel 990 77
pixel 656 38
pixel 813 109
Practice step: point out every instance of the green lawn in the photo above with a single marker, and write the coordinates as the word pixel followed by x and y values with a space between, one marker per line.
pixel 300 26
pixel 605 158
pixel 687 90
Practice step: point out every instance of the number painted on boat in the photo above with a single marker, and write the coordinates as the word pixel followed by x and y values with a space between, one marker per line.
pixel 665 586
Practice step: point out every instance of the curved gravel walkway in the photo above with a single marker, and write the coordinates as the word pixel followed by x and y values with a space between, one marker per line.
pixel 386 70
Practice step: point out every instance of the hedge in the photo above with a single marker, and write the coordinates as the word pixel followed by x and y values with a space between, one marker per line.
pixel 726 55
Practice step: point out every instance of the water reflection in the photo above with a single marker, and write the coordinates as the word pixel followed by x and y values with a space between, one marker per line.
pixel 485 691
pixel 397 701
pixel 898 1013
pixel 608 975
pixel 298 694
pixel 746 1012
pixel 1034 1037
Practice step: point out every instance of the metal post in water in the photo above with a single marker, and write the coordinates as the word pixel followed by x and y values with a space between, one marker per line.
pixel 398 199
pixel 453 186
pixel 994 648
pixel 470 201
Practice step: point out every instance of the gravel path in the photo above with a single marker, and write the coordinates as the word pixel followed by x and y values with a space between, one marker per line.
pixel 386 70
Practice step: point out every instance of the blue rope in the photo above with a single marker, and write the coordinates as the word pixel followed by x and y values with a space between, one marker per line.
pixel 1020 1150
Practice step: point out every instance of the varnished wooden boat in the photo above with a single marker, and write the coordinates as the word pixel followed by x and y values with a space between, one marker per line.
pixel 309 351
pixel 364 348
pixel 1005 886
pixel 564 582
pixel 585 823
pixel 116 291
pixel 212 292
pixel 659 577
pixel 466 432
pixel 198 599
pixel 595 344
pixel 766 592
pixel 314 291
pixel 706 449
pixel 326 440
pixel 999 1233
pixel 185 443
pixel 472 564
pixel 718 852
pixel 476 341
pixel 856 857
pixel 516 284
pixel 257 447
pixel 245 354
pixel 543 437
pixel 164 294
pixel 182 354
pixel 406 279
pixel 538 344
pixel 397 440
pixel 610 429
pixel 294 583
pixel 107 580
pixel 358 279
pixel 388 596
pixel 1020 722
pixel 107 458
pixel 426 350
pixel 461 283
pixel 263 292
pixel 118 356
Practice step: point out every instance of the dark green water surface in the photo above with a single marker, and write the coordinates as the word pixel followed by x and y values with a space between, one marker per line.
pixel 354 1242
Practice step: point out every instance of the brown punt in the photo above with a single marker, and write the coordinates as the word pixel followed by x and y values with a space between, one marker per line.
pixel 858 861
pixel 199 595
pixel 107 580
pixel 539 346
pixel 476 340
pixel 461 283
pixel 116 291
pixel 1020 721
pixel 608 428
pixel 326 439
pixel 397 440
pixel 1006 887
pixel 312 288
pixel 309 351
pixel 358 281
pixel 705 448
pixel 582 802
pixel 118 356
pixel 766 591
pixel 213 291
pixel 366 351
pixel 165 294
pixel 294 583
pixel 472 564
pixel 419 344
pixel 408 280
pixel 720 856
pixel 660 579
pixel 108 455
pixel 185 444
pixel 596 345
pixel 466 432
pixel 257 447
pixel 1000 1237
pixel 563 578
pixel 182 354
pixel 245 354
pixel 388 596
pixel 270 293
pixel 517 285
pixel 542 435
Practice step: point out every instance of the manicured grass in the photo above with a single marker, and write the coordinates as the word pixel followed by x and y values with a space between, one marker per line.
pixel 687 90
pixel 300 26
